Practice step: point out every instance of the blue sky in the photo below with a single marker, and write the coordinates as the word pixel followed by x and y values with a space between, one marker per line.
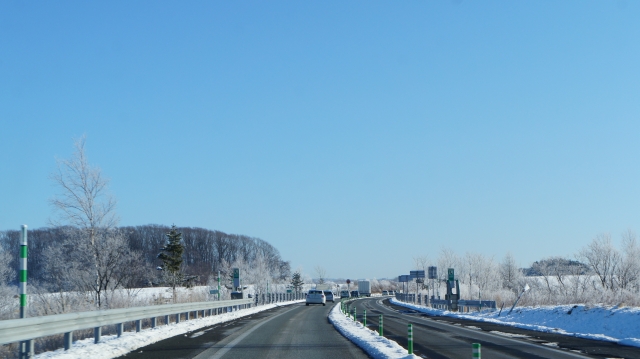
pixel 354 135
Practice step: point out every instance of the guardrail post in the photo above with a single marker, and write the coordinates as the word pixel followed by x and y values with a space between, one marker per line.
pixel 138 325
pixel 178 318
pixel 154 322
pixel 166 320
pixel 97 332
pixel 186 316
pixel 380 331
pixel 410 341
pixel 119 328
pixel 68 340
pixel 476 351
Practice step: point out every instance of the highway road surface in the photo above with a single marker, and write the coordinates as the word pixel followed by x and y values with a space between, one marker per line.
pixel 294 331
pixel 442 337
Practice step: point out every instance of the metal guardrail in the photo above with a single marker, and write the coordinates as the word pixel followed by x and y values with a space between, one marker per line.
pixel 17 330
pixel 446 304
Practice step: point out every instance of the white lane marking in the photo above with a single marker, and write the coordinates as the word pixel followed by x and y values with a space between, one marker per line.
pixel 229 346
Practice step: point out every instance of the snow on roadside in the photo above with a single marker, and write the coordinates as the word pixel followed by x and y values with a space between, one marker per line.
pixel 619 325
pixel 110 346
pixel 373 344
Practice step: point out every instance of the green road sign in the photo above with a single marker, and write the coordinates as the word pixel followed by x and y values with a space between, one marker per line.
pixel 450 272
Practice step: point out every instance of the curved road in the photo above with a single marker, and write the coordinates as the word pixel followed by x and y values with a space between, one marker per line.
pixel 294 331
pixel 443 337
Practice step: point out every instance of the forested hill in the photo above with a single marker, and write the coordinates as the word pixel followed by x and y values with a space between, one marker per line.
pixel 205 251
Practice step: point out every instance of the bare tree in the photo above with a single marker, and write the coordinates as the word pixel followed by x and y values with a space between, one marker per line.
pixel 603 259
pixel 321 273
pixel 83 201
pixel 509 273
pixel 628 271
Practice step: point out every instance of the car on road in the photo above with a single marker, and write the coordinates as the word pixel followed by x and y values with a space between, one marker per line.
pixel 355 294
pixel 385 292
pixel 316 297
pixel 329 296
pixel 344 294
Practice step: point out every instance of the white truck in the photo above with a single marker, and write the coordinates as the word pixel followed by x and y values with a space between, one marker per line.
pixel 364 288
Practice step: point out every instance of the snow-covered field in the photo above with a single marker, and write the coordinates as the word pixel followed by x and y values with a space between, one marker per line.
pixel 111 346
pixel 375 345
pixel 614 324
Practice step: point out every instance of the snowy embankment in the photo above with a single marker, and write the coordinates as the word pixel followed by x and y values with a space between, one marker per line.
pixel 373 344
pixel 614 324
pixel 111 346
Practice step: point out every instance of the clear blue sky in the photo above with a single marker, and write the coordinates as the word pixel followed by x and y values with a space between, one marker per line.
pixel 349 135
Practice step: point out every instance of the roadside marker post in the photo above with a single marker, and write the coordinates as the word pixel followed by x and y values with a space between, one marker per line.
pixel 476 351
pixel 364 318
pixel 410 341
pixel 355 314
pixel 380 325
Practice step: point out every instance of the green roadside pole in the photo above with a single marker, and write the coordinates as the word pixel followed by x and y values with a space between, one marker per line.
pixel 476 351
pixel 410 341
pixel 380 326
pixel 355 314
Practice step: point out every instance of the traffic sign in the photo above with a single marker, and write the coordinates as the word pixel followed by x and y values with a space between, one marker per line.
pixel 433 272
pixel 450 273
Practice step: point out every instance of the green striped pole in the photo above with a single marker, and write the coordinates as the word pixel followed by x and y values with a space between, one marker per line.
pixel 355 314
pixel 23 273
pixel 380 326
pixel 410 342
pixel 364 318
pixel 476 351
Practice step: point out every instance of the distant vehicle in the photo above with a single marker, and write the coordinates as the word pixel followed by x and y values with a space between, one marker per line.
pixel 316 297
pixel 329 295
pixel 385 292
pixel 364 288
pixel 344 294
pixel 323 286
pixel 355 294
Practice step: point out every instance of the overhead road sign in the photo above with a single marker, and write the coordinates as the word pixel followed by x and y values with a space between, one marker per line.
pixel 433 272
pixel 416 274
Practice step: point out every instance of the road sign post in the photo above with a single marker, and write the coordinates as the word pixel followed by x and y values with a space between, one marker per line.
pixel 380 326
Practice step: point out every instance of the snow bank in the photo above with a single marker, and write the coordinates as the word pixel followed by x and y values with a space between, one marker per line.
pixel 614 324
pixel 375 345
pixel 111 346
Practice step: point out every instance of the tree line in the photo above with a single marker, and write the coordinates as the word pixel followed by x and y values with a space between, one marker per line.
pixel 55 253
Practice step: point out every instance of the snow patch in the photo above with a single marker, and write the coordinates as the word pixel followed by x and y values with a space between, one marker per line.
pixel 613 324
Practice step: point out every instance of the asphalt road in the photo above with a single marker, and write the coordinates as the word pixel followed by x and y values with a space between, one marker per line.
pixel 442 337
pixel 294 331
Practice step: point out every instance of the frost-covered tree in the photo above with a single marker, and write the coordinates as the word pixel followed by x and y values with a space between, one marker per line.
pixel 6 272
pixel 628 271
pixel 603 258
pixel 83 200
pixel 510 275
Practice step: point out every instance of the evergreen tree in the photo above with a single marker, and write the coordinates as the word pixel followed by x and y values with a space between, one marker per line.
pixel 296 281
pixel 171 257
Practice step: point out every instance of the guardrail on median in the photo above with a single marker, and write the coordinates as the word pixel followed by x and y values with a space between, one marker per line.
pixel 462 305
pixel 27 329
